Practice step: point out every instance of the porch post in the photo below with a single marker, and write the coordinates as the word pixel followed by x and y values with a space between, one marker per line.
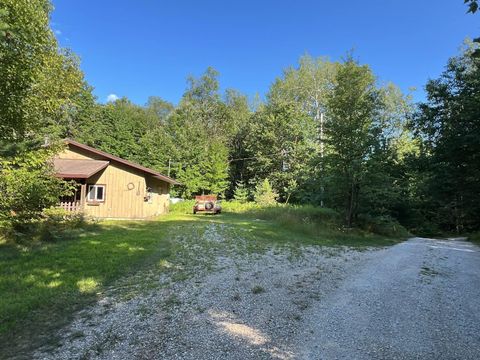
pixel 83 193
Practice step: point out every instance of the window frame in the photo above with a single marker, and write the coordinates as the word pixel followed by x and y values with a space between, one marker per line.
pixel 96 186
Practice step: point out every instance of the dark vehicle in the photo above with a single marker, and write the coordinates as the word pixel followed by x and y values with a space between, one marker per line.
pixel 207 203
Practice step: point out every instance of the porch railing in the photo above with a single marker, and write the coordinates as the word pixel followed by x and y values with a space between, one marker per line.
pixel 70 205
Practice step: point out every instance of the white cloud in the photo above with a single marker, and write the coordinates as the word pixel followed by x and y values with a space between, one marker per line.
pixel 58 32
pixel 112 98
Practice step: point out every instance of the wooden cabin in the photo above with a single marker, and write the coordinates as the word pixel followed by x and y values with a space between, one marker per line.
pixel 111 187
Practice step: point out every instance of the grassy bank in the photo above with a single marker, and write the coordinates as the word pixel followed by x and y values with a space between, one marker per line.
pixel 43 284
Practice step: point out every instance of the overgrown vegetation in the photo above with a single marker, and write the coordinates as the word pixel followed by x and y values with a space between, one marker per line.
pixel 28 188
pixel 308 220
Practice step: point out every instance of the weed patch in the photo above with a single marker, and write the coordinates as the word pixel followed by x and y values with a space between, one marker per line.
pixel 257 289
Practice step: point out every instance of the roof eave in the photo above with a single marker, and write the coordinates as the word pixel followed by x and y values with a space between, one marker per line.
pixel 167 179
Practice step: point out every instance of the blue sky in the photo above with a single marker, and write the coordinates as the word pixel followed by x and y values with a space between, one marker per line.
pixel 148 47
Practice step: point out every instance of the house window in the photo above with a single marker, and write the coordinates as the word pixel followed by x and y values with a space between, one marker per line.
pixel 96 193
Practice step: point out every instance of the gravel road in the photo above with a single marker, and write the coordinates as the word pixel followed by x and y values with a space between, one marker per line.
pixel 416 300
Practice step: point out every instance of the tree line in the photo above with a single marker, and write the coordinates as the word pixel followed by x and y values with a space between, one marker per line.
pixel 327 133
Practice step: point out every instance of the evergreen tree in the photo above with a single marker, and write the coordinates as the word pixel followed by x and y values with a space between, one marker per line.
pixel 241 192
pixel 448 125
pixel 264 194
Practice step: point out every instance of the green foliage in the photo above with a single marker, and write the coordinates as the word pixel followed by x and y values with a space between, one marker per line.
pixel 382 225
pixel 241 193
pixel 4 27
pixel 28 186
pixel 247 208
pixel 160 108
pixel 39 83
pixel 264 194
pixel 122 128
pixel 200 129
pixel 448 126
pixel 474 237
pixel 307 87
pixel 472 5
pixel 280 144
pixel 57 224
pixel 351 133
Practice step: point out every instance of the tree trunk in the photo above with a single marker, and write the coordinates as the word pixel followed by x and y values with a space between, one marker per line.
pixel 350 204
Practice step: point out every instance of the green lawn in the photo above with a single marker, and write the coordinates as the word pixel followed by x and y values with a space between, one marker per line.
pixel 42 286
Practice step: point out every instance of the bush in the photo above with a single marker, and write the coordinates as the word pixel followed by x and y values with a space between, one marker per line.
pixel 57 223
pixel 382 225
pixel 28 185
pixel 239 207
pixel 474 237
pixel 54 224
pixel 264 194
pixel 182 207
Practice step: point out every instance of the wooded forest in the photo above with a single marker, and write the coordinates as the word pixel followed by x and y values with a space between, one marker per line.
pixel 328 133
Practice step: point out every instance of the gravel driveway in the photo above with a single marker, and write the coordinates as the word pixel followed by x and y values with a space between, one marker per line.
pixel 416 300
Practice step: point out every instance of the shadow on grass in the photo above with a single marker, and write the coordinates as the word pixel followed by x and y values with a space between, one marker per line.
pixel 42 285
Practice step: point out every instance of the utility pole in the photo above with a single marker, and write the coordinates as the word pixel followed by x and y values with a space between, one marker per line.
pixel 169 160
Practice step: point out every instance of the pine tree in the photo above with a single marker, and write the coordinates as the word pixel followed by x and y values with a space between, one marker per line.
pixel 264 194
pixel 241 193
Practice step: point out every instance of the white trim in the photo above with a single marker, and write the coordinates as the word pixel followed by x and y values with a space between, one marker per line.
pixel 93 189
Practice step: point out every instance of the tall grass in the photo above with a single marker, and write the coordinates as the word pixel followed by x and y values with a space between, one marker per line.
pixel 304 219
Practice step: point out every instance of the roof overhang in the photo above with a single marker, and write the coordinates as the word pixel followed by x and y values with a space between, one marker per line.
pixel 166 179
pixel 78 168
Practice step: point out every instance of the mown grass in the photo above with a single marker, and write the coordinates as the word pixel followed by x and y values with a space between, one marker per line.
pixel 42 285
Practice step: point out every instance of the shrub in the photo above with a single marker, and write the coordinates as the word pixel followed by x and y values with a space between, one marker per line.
pixel 182 207
pixel 54 224
pixel 264 194
pixel 239 207
pixel 382 225
pixel 28 186
pixel 57 223
pixel 241 193
pixel 474 237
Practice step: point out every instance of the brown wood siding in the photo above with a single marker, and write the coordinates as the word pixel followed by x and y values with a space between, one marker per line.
pixel 125 189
